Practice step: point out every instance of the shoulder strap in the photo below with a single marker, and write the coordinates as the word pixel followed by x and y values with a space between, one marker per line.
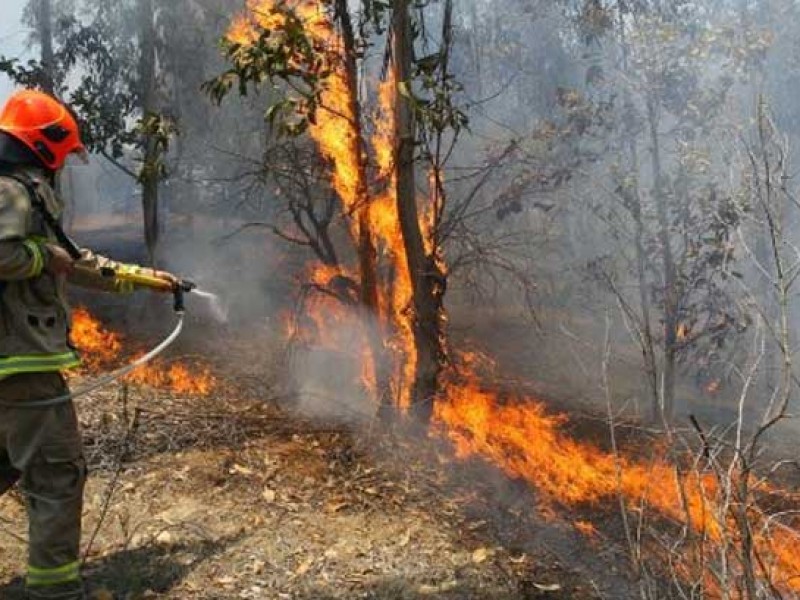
pixel 52 223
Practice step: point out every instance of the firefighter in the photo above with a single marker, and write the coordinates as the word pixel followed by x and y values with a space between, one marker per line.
pixel 41 446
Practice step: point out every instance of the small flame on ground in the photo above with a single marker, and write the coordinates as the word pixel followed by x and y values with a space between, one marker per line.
pixel 176 378
pixel 586 528
pixel 99 346
pixel 102 350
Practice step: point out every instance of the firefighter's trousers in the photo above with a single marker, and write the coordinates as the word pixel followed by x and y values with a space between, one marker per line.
pixel 42 448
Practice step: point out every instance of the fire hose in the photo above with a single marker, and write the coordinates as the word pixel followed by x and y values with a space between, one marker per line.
pixel 142 279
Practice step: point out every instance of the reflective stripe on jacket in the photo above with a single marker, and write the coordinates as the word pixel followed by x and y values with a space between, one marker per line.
pixel 34 313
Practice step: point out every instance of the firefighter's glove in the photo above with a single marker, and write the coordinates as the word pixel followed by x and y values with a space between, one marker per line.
pixel 57 261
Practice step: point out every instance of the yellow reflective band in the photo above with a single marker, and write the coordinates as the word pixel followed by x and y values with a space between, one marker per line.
pixel 68 568
pixel 45 363
pixel 38 577
pixel 23 358
pixel 37 265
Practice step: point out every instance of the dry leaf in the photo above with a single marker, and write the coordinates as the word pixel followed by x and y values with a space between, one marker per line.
pixel 447 586
pixel 102 594
pixel 476 525
pixel 304 567
pixel 269 495
pixel 165 537
pixel 241 470
pixel 405 539
pixel 480 555
pixel 543 587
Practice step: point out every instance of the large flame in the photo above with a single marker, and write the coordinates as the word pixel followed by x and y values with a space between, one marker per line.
pixel 102 350
pixel 397 293
pixel 337 131
pixel 518 435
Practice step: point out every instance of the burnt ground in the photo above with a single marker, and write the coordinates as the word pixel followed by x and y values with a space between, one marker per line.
pixel 232 496
pixel 237 496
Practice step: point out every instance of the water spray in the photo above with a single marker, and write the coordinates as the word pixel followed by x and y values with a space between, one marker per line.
pixel 214 303
pixel 143 278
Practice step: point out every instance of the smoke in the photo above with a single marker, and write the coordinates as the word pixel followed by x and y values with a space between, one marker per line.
pixel 13 39
pixel 328 381
pixel 544 264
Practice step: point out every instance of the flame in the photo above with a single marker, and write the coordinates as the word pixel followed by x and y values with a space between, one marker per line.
pixel 340 139
pixel 335 127
pixel 100 347
pixel 516 434
pixel 587 528
pixel 398 293
pixel 330 318
pixel 176 378
pixel 102 350
pixel 523 439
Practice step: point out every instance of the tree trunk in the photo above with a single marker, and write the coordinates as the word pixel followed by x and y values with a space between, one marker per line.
pixel 426 278
pixel 365 242
pixel 44 23
pixel 665 409
pixel 636 210
pixel 149 176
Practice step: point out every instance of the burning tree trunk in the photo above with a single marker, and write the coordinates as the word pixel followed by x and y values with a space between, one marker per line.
pixel 426 278
pixel 400 283
pixel 149 175
pixel 365 243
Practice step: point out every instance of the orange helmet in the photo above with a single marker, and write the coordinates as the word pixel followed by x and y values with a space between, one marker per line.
pixel 44 125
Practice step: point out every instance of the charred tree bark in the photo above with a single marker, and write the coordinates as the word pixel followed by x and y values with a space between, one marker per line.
pixel 367 252
pixel 426 278
pixel 365 244
pixel 149 176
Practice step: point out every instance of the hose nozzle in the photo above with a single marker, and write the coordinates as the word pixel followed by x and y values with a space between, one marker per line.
pixel 183 287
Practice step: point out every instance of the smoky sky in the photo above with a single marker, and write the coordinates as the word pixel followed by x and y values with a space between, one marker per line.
pixel 13 38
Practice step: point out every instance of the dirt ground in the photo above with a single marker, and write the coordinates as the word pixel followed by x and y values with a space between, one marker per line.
pixel 237 496
pixel 233 496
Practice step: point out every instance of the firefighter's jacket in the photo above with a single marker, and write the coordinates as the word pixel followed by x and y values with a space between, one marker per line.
pixel 34 313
